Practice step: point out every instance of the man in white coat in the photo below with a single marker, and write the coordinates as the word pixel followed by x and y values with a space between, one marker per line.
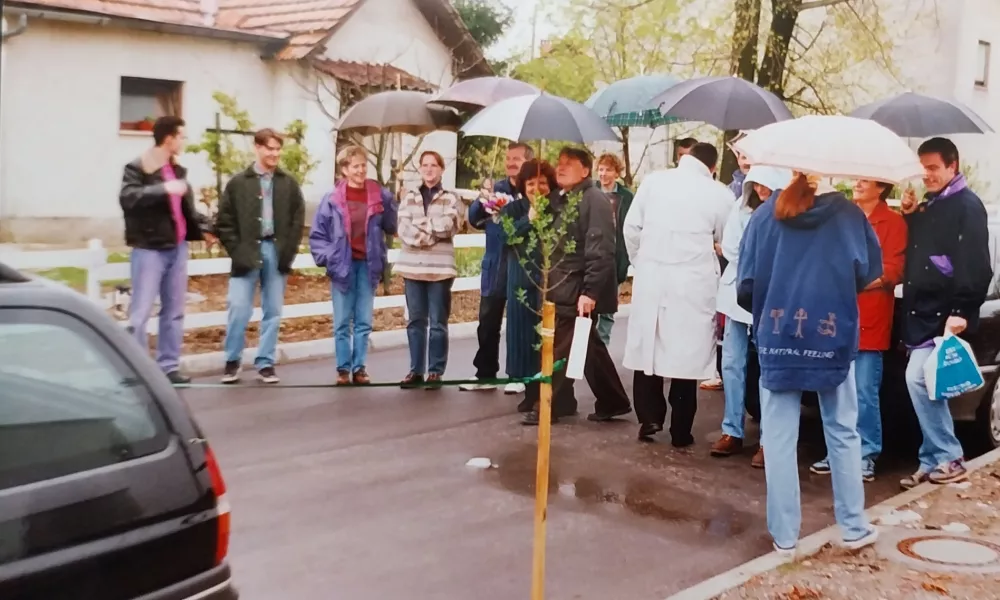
pixel 676 219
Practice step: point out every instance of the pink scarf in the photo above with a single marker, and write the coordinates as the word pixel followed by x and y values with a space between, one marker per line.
pixel 180 223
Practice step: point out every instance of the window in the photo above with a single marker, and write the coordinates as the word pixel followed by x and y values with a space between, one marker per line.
pixel 70 403
pixel 983 64
pixel 145 100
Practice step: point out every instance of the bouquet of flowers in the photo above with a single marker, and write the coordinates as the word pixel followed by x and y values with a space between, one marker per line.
pixel 494 203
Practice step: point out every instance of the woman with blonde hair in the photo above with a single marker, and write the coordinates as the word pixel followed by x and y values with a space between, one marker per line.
pixel 803 261
pixel 348 238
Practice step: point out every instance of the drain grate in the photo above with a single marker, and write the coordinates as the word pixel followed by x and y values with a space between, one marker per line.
pixel 940 551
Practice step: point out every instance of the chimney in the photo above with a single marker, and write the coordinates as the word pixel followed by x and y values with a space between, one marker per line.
pixel 209 9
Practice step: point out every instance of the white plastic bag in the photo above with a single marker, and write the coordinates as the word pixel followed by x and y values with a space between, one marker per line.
pixel 951 370
pixel 578 350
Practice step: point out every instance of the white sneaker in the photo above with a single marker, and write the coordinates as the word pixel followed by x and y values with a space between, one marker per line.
pixel 477 387
pixel 862 542
pixel 514 388
pixel 785 552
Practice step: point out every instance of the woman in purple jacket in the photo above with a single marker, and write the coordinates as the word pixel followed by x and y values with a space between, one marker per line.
pixel 347 237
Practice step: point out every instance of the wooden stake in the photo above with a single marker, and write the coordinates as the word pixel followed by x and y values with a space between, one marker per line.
pixel 544 444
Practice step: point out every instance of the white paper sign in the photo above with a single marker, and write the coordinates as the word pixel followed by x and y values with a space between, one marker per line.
pixel 578 351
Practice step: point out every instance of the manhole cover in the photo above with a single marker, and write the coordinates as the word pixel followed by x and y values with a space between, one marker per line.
pixel 940 551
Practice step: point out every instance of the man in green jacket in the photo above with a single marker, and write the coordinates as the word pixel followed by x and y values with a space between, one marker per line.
pixel 609 169
pixel 260 221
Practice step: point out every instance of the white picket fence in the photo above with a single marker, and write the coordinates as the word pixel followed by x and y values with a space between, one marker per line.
pixel 94 259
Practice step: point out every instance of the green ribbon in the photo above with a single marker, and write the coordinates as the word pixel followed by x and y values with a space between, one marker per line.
pixel 537 377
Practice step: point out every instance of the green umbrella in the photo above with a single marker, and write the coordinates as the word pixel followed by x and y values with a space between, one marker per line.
pixel 626 103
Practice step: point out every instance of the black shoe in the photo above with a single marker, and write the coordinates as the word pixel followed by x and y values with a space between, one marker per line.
pixel 525 406
pixel 412 381
pixel 267 375
pixel 232 372
pixel 648 430
pixel 531 418
pixel 599 417
pixel 681 441
pixel 176 378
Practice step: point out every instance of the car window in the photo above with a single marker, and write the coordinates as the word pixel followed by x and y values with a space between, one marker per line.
pixel 68 400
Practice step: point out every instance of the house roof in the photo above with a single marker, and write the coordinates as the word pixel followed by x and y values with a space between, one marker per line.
pixel 365 75
pixel 304 25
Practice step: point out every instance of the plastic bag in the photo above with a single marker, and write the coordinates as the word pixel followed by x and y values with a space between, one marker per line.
pixel 951 370
pixel 578 350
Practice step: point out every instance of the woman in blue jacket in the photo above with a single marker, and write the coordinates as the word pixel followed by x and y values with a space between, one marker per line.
pixel 803 260
pixel 348 238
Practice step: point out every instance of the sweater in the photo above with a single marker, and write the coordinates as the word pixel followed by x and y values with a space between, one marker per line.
pixel 426 235
pixel 800 280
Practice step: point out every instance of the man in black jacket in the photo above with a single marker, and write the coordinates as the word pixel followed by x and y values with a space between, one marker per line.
pixel 584 285
pixel 947 275
pixel 160 219
pixel 260 221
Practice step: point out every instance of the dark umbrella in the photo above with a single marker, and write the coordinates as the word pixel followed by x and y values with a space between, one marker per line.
pixel 398 111
pixel 540 117
pixel 725 102
pixel 625 103
pixel 919 116
pixel 473 94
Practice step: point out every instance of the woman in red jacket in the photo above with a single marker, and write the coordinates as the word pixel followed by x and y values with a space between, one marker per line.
pixel 875 306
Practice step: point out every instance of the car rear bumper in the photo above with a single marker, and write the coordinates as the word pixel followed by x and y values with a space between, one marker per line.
pixel 216 584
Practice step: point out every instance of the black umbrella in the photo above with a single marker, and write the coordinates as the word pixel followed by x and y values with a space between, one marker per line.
pixel 398 111
pixel 919 116
pixel 725 102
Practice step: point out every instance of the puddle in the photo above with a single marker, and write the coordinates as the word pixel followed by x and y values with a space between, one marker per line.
pixel 575 482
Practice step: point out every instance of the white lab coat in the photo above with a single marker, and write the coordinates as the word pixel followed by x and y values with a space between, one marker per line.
pixel 675 220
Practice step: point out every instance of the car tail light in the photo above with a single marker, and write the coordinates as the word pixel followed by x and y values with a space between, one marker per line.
pixel 221 503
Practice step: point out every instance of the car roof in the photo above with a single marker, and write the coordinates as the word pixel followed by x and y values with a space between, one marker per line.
pixel 23 290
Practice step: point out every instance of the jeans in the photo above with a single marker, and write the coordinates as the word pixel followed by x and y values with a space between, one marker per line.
pixel 429 305
pixel 780 418
pixel 604 324
pixel 735 352
pixel 940 444
pixel 160 273
pixel 239 305
pixel 352 318
pixel 868 378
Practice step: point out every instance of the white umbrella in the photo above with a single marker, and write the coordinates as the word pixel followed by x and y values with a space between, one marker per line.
pixel 540 117
pixel 833 146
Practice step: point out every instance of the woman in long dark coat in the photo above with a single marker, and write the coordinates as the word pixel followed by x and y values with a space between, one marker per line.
pixel 536 178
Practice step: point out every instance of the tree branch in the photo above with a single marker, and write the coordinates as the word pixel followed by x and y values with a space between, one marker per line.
pixel 821 3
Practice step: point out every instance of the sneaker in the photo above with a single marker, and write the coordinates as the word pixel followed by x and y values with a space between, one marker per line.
pixel 757 461
pixel 712 385
pixel 726 445
pixel 513 388
pixel 911 481
pixel 343 377
pixel 952 472
pixel 866 540
pixel 176 378
pixel 868 470
pixel 821 467
pixel 232 372
pixel 785 552
pixel 477 387
pixel 267 375
pixel 361 377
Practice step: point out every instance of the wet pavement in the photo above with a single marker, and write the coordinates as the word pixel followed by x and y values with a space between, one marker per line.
pixel 364 495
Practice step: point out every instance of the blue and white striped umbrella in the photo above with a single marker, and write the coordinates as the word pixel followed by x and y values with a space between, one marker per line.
pixel 540 117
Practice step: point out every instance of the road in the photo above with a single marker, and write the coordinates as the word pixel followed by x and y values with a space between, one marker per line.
pixel 364 495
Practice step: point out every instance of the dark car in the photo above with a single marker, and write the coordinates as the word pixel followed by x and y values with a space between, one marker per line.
pixel 108 489
pixel 977 414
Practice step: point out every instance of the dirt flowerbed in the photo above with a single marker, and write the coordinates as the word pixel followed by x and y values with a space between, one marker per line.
pixel 836 574
pixel 307 287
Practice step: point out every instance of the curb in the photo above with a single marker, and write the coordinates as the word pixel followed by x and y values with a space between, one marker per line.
pixel 811 545
pixel 211 363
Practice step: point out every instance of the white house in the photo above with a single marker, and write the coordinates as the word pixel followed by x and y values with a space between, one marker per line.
pixel 78 77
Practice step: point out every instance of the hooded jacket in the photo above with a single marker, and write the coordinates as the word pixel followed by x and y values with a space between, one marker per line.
pixel 800 278
pixel 773 178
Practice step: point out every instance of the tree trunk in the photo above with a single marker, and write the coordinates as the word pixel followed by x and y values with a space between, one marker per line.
pixel 743 64
pixel 626 150
pixel 772 68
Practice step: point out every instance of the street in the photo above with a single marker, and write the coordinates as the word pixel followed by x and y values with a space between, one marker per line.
pixel 364 495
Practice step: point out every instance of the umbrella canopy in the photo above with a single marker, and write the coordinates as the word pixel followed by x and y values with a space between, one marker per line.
pixel 473 94
pixel 625 103
pixel 540 117
pixel 919 116
pixel 833 146
pixel 398 111
pixel 726 102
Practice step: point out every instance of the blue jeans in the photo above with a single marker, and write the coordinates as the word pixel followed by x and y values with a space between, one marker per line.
pixel 940 444
pixel 780 413
pixel 160 273
pixel 735 351
pixel 239 305
pixel 605 322
pixel 429 305
pixel 868 378
pixel 352 318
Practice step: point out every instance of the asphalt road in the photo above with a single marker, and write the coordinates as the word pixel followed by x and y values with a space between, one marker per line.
pixel 364 495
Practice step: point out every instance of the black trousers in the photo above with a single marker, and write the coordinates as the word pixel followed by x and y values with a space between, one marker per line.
pixel 599 371
pixel 487 361
pixel 651 405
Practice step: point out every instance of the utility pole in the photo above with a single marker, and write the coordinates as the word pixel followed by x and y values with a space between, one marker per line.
pixel 534 26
